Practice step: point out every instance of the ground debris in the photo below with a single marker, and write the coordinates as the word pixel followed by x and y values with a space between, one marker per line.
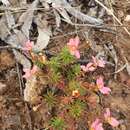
pixel 102 27
pixel 6 60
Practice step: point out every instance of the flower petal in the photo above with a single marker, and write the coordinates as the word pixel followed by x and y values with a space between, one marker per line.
pixel 77 54
pixel 83 67
pixel 28 45
pixel 34 69
pixel 107 113
pixel 90 66
pixel 72 52
pixel 101 63
pixel 76 40
pixel 105 90
pixel 94 59
pixel 99 127
pixel 27 73
pixel 100 82
pixel 71 42
pixel 113 122
pixel 95 123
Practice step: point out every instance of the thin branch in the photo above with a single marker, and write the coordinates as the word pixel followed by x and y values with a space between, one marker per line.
pixel 19 77
pixel 121 69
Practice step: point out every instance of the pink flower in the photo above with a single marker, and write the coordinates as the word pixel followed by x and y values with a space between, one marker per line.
pixel 73 46
pixel 96 125
pixel 28 45
pixel 29 73
pixel 91 66
pixel 98 62
pixel 111 120
pixel 88 67
pixel 100 85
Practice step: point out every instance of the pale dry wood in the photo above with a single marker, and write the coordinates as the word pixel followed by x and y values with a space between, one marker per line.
pixel 63 4
pixel 29 14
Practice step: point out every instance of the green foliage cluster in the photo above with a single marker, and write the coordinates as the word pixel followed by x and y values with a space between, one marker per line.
pixel 73 71
pixel 65 57
pixel 63 67
pixel 57 123
pixel 76 108
pixel 50 98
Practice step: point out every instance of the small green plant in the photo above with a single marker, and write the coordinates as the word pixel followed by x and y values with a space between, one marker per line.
pixel 54 63
pixel 57 123
pixel 50 99
pixel 73 71
pixel 64 72
pixel 76 108
pixel 54 77
pixel 65 56
pixel 62 65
